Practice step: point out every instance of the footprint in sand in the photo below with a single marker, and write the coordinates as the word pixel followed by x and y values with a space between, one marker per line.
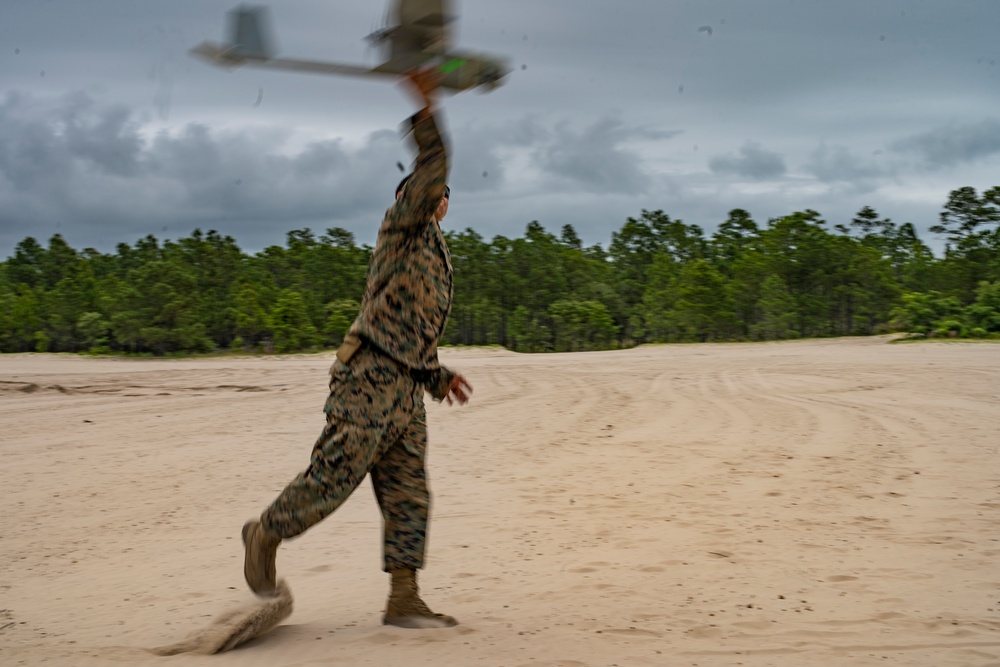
pixel 320 568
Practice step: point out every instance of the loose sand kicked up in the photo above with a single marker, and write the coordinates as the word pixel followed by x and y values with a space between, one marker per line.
pixel 806 503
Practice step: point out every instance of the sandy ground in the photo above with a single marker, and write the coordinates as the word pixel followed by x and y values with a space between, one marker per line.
pixel 805 503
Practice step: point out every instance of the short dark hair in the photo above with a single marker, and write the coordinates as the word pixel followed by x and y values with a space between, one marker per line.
pixel 406 179
pixel 399 188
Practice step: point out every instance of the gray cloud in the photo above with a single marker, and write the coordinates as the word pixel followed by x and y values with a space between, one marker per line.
pixel 116 182
pixel 481 152
pixel 952 144
pixel 107 138
pixel 753 162
pixel 602 157
pixel 87 167
pixel 595 159
pixel 839 165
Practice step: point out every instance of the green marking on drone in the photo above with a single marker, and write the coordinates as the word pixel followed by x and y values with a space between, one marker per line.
pixel 452 65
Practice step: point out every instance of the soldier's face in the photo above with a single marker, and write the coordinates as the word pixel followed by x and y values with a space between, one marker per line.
pixel 440 212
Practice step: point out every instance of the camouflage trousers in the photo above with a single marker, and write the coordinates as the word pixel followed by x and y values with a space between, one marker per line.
pixel 376 423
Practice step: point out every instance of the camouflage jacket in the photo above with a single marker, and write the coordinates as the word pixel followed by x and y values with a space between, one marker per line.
pixel 408 297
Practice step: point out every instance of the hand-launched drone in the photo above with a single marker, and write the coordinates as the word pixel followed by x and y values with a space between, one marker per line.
pixel 419 37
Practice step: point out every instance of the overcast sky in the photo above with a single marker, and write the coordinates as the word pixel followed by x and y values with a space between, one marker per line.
pixel 109 130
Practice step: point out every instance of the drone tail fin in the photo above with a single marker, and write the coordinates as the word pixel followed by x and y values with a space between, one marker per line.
pixel 249 34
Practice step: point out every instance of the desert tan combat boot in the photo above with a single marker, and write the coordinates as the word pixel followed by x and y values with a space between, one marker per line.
pixel 258 564
pixel 405 609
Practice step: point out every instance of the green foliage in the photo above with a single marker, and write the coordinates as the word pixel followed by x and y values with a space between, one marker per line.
pixel 42 342
pixel 659 280
pixel 971 224
pixel 935 314
pixel 689 303
pixel 951 328
pixel 966 213
pixel 23 319
pixel 775 311
pixel 984 314
pixel 340 315
pixel 585 325
pixel 157 309
pixel 293 330
pixel 251 319
pixel 921 313
pixel 93 330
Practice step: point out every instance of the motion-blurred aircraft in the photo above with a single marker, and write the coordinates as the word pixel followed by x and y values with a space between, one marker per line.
pixel 418 35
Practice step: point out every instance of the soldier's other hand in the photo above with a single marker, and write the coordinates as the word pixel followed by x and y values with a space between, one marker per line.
pixel 460 389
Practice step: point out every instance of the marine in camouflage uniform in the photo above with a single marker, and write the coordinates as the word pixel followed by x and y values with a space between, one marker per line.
pixel 376 420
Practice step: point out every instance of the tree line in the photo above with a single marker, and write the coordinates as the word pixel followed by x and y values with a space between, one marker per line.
pixel 658 280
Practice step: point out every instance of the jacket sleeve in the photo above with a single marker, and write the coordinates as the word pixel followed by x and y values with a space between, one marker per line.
pixel 438 382
pixel 424 190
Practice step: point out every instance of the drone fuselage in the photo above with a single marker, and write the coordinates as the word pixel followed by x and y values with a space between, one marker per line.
pixel 421 38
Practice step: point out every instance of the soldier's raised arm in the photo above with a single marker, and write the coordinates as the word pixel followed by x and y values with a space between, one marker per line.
pixel 425 187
